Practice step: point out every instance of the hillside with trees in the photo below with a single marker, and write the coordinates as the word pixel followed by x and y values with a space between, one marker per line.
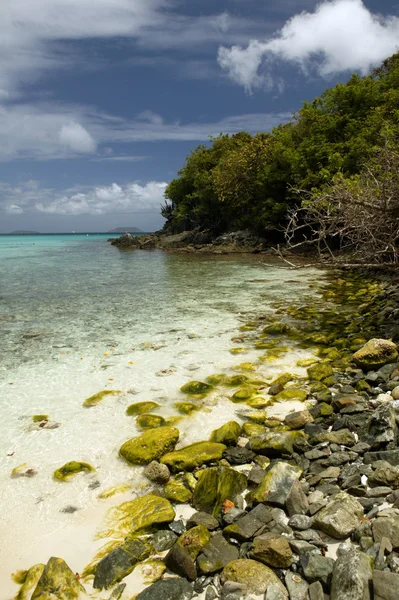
pixel 333 165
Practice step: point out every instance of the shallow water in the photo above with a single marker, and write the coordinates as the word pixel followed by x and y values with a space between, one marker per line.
pixel 78 316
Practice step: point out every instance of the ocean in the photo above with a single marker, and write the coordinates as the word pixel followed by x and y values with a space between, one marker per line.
pixel 78 316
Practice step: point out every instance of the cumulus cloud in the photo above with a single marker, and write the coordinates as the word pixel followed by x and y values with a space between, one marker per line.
pixel 339 36
pixel 77 138
pixel 130 198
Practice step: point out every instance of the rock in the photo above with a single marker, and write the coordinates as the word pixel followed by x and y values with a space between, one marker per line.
pixel 203 518
pixel 167 589
pixel 343 437
pixel 385 475
pixel 57 577
pixel 149 446
pixel 246 527
pixel 276 484
pixel 163 540
pixel 189 457
pixel 194 540
pixel 273 550
pixel 147 421
pixel 118 591
pixel 320 371
pixel 239 456
pixel 274 592
pixel 216 555
pixel 387 527
pixel 351 575
pixel 297 587
pixel 386 585
pixel 141 407
pixel 120 562
pixel 175 491
pixel 138 514
pixel 232 515
pixel 125 241
pixel 300 522
pixel 390 456
pixel 97 398
pixel 395 393
pixel 254 575
pixel 215 485
pixel 375 354
pixel 228 434
pixel 297 502
pixel 211 593
pixel 30 581
pixel 316 591
pixel 275 444
pixel 318 568
pixel 179 561
pixel 297 420
pixel 233 591
pixel 340 517
pixel 156 472
pixel 329 473
pixel 381 428
pixel 69 470
pixel 275 389
pixel 196 388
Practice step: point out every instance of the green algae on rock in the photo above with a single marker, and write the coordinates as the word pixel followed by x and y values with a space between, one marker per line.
pixel 147 421
pixel 242 394
pixel 253 429
pixel 96 398
pixel 31 580
pixel 175 491
pixel 120 562
pixel 186 408
pixel 291 394
pixel 226 434
pixel 256 576
pixel 39 418
pixel 150 446
pixel 189 457
pixel 57 578
pixel 375 354
pixel 216 379
pixel 320 372
pixel 275 444
pixel 71 469
pixel 276 484
pixel 114 490
pixel 194 540
pixel 196 388
pixel 141 407
pixel 137 515
pixel 215 485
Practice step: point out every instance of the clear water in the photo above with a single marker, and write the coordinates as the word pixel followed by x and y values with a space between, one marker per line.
pixel 78 316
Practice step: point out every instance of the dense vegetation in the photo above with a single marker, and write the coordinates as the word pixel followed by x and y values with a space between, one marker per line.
pixel 245 181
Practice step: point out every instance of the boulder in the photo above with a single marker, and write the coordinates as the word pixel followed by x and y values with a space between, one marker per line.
pixel 318 568
pixel 215 485
pixel 31 579
pixel 387 527
pixel 385 585
pixel 297 502
pixel 227 434
pixel 275 445
pixel 340 517
pixel 120 562
pixel 254 575
pixel 57 577
pixel 189 457
pixel 351 575
pixel 273 550
pixel 375 354
pixel 276 484
pixel 149 446
pixel 216 555
pixel 126 241
pixel 179 561
pixel 167 589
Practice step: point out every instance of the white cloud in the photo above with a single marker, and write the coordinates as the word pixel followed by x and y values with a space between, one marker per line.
pixel 339 36
pixel 130 198
pixel 77 138
pixel 13 209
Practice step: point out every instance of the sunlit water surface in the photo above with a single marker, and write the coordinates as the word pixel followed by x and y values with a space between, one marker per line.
pixel 78 316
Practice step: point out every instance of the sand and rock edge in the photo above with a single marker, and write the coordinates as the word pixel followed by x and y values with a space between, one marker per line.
pixel 299 508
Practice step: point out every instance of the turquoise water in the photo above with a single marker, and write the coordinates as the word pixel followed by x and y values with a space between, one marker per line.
pixel 78 316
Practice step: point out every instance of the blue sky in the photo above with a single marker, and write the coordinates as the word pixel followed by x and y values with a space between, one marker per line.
pixel 101 100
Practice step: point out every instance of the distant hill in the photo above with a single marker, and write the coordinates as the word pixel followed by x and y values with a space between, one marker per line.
pixel 125 230
pixel 23 232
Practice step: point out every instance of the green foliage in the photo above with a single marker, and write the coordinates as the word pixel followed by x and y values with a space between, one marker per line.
pixel 244 181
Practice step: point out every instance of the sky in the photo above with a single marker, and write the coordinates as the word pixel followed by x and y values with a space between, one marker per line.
pixel 101 100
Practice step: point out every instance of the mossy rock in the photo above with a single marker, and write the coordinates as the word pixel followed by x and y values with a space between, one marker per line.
pixel 150 446
pixel 291 394
pixel 254 575
pixel 235 380
pixel 186 408
pixel 97 398
pixel 32 578
pixel 140 408
pixel 276 444
pixel 57 580
pixel 71 469
pixel 256 416
pixel 363 386
pixel 324 409
pixel 137 515
pixel 318 386
pixel 215 485
pixel 40 418
pixel 190 457
pixel 120 562
pixel 320 372
pixel 375 354
pixel 196 388
pixel 330 353
pixel 226 434
pixel 283 379
pixel 147 421
pixel 175 491
pixel 245 366
pixel 194 540
pixel 114 490
pixel 276 484
pixel 242 394
pixel 259 402
pixel 239 351
pixel 216 379
pixel 277 329
pixel 306 362
pixel 253 429
pixel 172 421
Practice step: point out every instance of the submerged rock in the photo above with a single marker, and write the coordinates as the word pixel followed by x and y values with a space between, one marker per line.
pixel 215 485
pixel 320 371
pixel 147 421
pixel 97 398
pixel 57 580
pixel 150 446
pixel 196 388
pixel 189 457
pixel 71 469
pixel 254 575
pixel 375 354
pixel 141 407
pixel 226 434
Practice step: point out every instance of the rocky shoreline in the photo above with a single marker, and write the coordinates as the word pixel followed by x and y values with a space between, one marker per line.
pixel 300 506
